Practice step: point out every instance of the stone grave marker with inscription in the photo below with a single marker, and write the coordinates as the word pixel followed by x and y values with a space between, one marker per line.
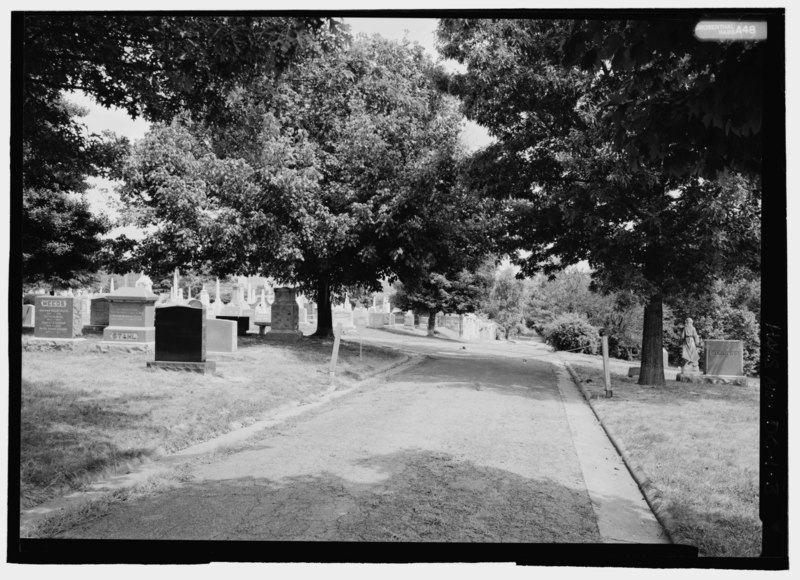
pixel 131 314
pixel 57 317
pixel 724 358
pixel 181 340
pixel 285 316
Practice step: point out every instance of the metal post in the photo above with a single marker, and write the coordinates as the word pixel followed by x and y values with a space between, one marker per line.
pixel 606 368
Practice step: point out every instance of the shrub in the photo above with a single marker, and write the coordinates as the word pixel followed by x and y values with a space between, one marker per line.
pixel 571 331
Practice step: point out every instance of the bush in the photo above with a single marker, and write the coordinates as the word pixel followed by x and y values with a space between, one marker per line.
pixel 570 332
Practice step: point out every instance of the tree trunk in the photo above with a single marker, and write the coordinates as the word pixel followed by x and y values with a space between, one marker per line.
pixel 652 369
pixel 431 323
pixel 324 316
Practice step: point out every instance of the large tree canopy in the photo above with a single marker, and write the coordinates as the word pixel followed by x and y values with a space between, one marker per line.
pixel 152 66
pixel 321 178
pixel 575 190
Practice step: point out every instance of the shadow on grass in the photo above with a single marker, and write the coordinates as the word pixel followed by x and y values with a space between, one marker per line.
pixel 410 495
pixel 61 441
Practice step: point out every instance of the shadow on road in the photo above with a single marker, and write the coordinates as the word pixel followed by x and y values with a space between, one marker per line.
pixel 414 496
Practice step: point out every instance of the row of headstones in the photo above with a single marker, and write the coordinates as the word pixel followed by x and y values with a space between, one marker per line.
pixel 130 316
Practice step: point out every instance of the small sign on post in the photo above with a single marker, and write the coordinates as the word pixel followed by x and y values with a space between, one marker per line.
pixel 606 368
pixel 337 333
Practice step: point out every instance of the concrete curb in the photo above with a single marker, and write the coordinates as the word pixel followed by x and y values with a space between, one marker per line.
pixel 651 493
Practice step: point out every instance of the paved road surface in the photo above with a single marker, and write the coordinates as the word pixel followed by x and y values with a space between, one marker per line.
pixel 482 443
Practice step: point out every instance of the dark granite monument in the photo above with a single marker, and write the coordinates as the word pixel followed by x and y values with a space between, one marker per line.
pixel 181 340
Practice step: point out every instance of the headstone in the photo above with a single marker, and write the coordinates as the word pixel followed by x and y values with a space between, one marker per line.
pixel 131 315
pixel 360 317
pixel 468 328
pixel 195 303
pixel 28 315
pixel 221 335
pixel 724 358
pixel 86 315
pixel 145 282
pixel 343 317
pixel 375 320
pixel 98 311
pixel 399 318
pixel 57 317
pixel 181 340
pixel 408 319
pixel 285 313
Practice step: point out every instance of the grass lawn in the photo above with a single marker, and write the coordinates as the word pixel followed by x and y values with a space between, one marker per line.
pixel 85 413
pixel 698 443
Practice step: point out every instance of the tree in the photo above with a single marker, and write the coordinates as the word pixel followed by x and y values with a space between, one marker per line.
pixel 506 300
pixel 60 239
pixel 575 192
pixel 317 178
pixel 154 66
pixel 457 293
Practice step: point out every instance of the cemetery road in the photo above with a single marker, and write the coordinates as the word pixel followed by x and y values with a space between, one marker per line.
pixel 471 445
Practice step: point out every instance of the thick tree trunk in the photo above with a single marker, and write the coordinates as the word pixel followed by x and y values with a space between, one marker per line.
pixel 652 370
pixel 431 323
pixel 324 316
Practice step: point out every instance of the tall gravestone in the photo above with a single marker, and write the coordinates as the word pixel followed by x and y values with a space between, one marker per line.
pixel 181 340
pixel 131 315
pixel 285 323
pixel 58 317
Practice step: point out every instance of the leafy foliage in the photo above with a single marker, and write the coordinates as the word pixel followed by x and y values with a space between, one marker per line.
pixel 574 190
pixel 571 332
pixel 61 239
pixel 728 311
pixel 154 66
pixel 506 301
pixel 338 179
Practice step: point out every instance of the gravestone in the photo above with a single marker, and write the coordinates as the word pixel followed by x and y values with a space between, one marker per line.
pixel 220 335
pixel 285 316
pixel 375 320
pixel 724 358
pixel 28 315
pixel 343 317
pixel 181 340
pixel 360 317
pixel 131 316
pixel 408 319
pixel 195 303
pixel 57 317
pixel 98 311
pixel 399 318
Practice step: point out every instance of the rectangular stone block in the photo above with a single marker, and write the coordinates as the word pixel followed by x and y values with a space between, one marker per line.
pixel 242 323
pixel 28 315
pixel 724 357
pixel 57 317
pixel 375 320
pixel 180 334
